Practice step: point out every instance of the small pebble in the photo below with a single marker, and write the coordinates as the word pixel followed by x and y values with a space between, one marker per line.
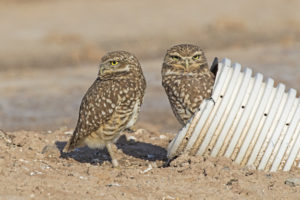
pixel 83 178
pixel 113 184
pixel 150 156
pixel 162 137
pixel 68 132
pixel 168 198
pixel 231 181
pixel 44 166
pixel 132 138
pixel 24 161
pixel 147 170
pixel 50 150
pixel 268 175
pixel 226 168
pixel 292 182
pixel 35 173
pixel 140 131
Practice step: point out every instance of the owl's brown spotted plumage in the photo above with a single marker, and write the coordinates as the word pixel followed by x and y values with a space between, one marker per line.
pixel 187 80
pixel 111 104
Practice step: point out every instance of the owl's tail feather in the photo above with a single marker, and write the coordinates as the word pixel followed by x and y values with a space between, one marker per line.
pixel 73 143
pixel 68 147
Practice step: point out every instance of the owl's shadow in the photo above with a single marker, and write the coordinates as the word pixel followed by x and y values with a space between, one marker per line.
pixel 141 150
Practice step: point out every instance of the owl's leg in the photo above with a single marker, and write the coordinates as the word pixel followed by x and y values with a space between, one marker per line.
pixel 112 155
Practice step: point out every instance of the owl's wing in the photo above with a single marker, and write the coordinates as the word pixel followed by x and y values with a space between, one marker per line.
pixel 97 107
pixel 214 66
pixel 180 106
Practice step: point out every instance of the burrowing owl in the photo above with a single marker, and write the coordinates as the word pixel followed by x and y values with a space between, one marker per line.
pixel 187 79
pixel 111 104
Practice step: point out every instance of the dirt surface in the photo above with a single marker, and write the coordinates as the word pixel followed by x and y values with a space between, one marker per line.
pixel 34 167
pixel 49 56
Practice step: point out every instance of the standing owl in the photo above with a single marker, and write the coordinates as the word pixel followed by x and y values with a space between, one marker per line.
pixel 187 80
pixel 111 104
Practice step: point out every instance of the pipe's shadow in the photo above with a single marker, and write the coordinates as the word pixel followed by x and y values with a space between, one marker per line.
pixel 141 150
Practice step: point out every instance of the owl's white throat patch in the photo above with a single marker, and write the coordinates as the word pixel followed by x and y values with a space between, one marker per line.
pixel 169 72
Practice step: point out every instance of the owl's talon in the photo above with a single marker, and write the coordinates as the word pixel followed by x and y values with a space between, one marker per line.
pixel 189 120
pixel 112 155
pixel 131 130
pixel 115 163
pixel 211 99
pixel 168 162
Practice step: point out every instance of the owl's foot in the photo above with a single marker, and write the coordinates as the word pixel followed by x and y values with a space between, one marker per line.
pixel 114 161
pixel 211 99
pixel 131 130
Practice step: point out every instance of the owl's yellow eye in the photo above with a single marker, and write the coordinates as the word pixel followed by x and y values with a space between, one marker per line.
pixel 175 57
pixel 114 62
pixel 196 57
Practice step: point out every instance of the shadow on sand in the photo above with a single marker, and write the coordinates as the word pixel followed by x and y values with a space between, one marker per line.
pixel 141 150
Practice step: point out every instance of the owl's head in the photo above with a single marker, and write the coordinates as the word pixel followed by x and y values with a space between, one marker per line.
pixel 118 63
pixel 184 59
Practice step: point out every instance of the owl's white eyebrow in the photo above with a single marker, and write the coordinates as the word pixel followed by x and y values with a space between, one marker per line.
pixel 175 54
pixel 109 60
pixel 197 53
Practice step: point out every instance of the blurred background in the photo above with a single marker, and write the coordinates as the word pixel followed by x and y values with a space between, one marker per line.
pixel 50 50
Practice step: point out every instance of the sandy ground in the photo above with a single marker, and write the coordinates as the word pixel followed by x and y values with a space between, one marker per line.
pixel 49 54
pixel 33 167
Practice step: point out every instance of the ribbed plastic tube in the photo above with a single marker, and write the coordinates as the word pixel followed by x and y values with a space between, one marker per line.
pixel 249 120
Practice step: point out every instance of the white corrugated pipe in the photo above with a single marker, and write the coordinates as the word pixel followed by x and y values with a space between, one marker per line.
pixel 249 121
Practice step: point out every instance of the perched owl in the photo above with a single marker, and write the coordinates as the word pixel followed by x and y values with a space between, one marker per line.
pixel 111 104
pixel 187 80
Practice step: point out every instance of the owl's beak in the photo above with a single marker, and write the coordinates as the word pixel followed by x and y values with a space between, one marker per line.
pixel 186 63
